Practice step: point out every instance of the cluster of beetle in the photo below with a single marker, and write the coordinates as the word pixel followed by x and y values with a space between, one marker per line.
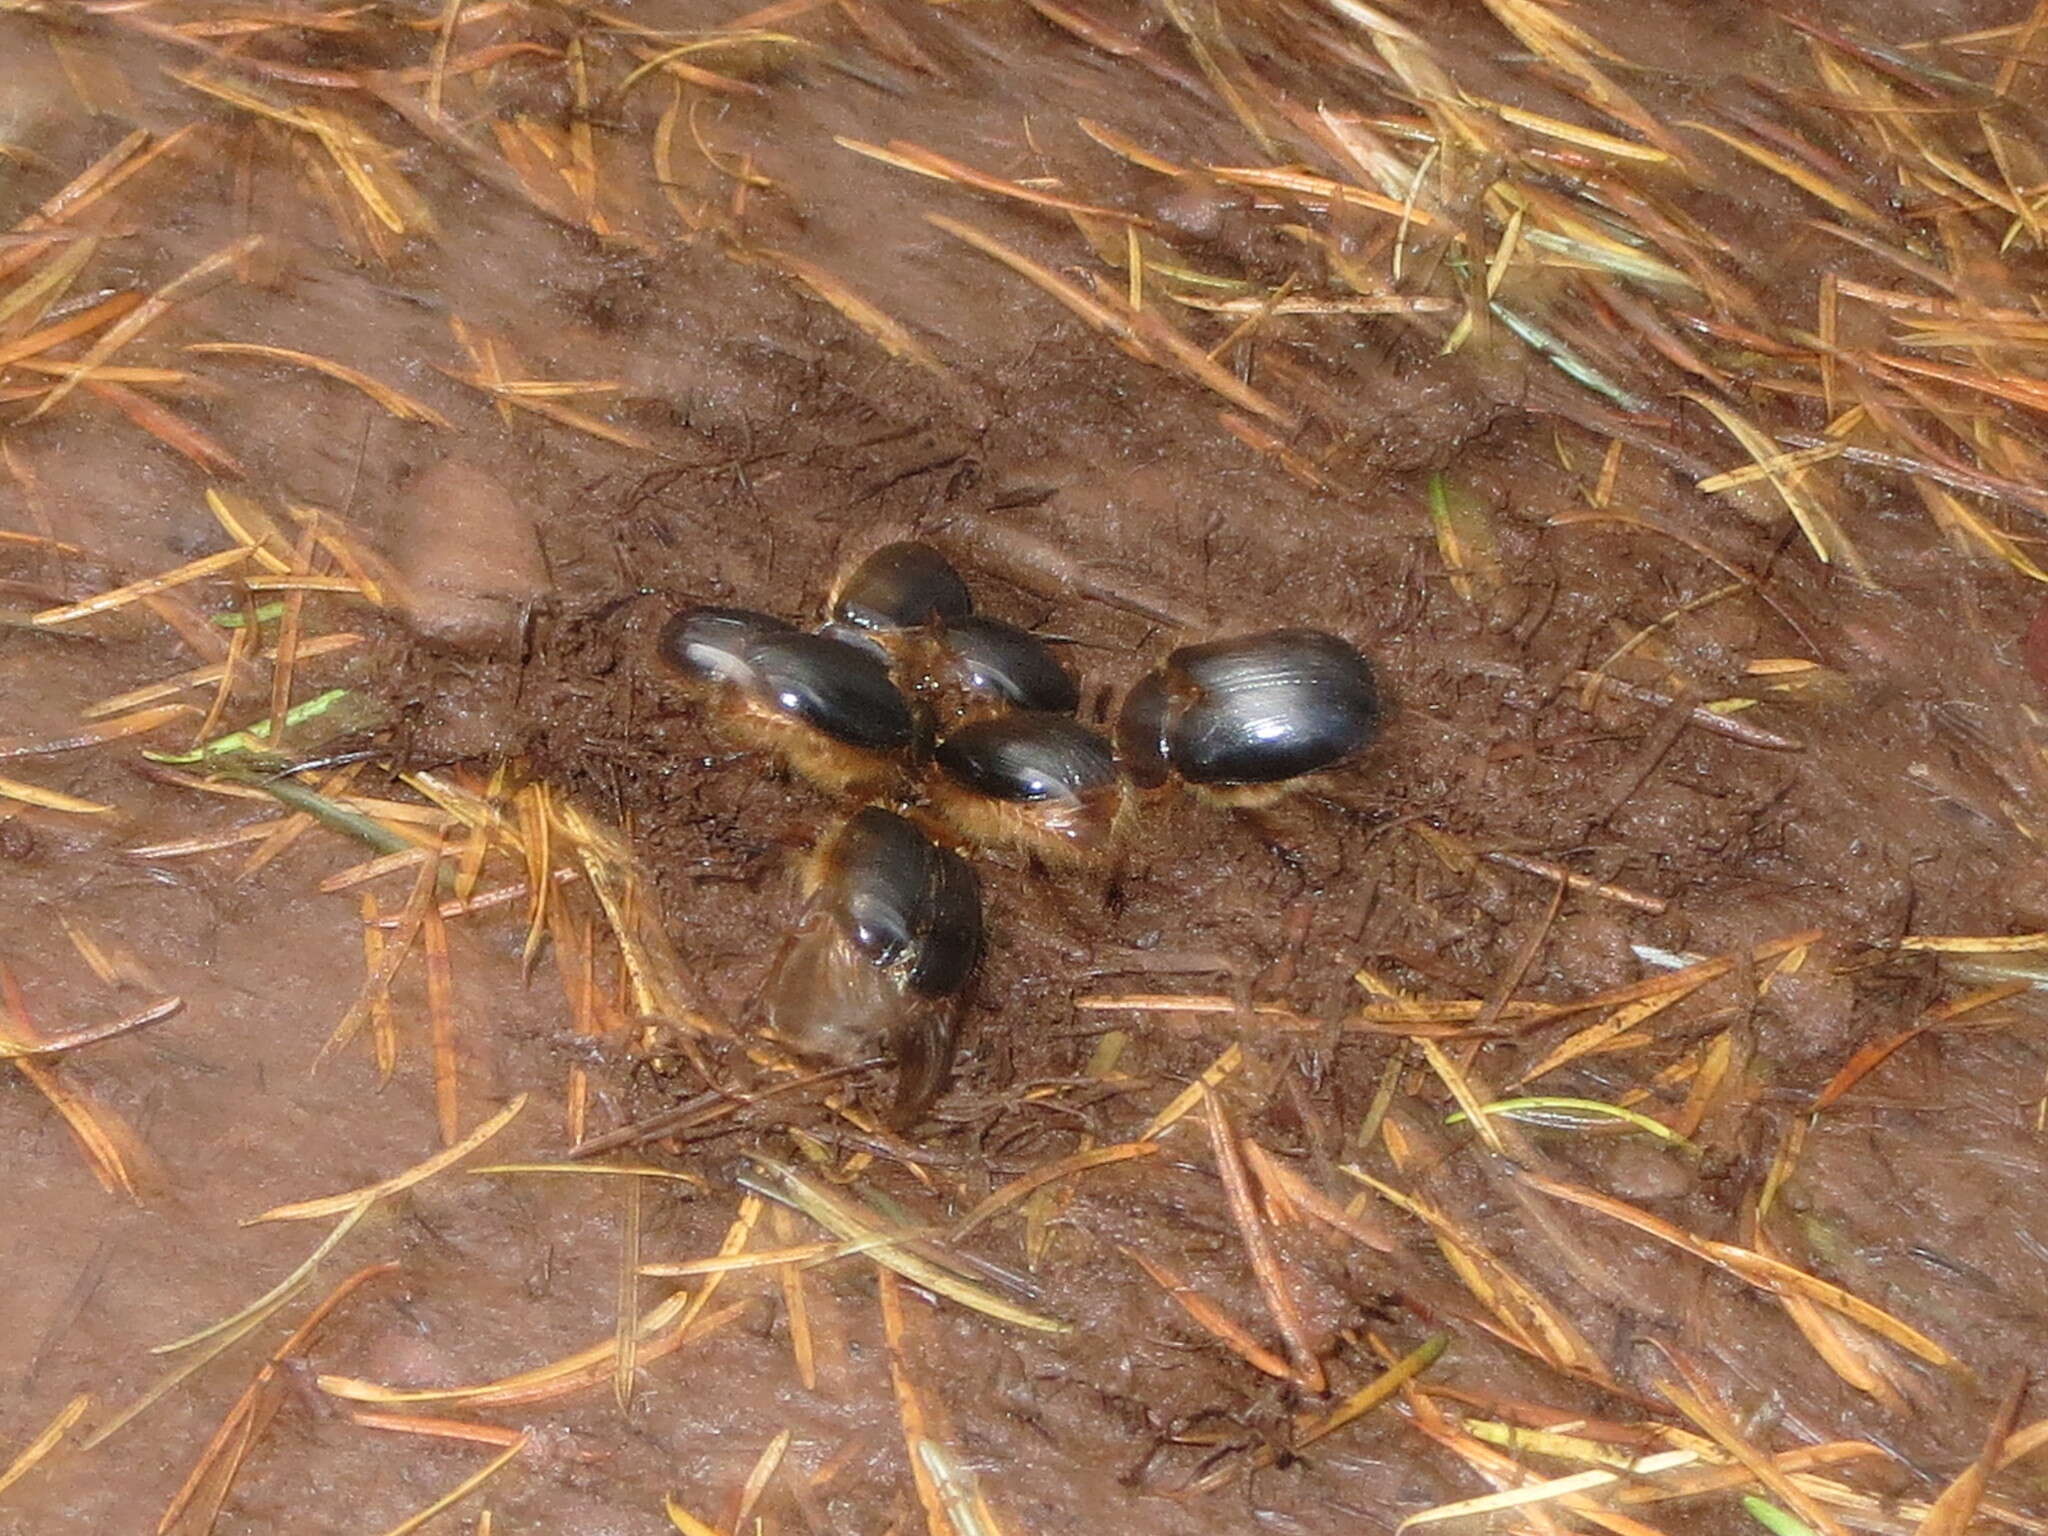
pixel 966 725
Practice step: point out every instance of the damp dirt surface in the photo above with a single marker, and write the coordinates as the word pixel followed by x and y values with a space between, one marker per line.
pixel 1878 777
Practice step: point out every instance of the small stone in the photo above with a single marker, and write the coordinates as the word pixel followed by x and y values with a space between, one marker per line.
pixel 469 557
pixel 1638 1171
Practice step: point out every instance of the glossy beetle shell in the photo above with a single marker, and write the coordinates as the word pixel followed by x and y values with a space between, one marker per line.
pixel 806 696
pixel 901 586
pixel 833 687
pixel 1003 663
pixel 1033 780
pixel 889 940
pixel 1254 710
pixel 710 645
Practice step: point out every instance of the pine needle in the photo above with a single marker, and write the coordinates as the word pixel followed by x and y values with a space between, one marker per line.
pixel 33 1454
pixel 334 1205
pixel 1765 1274
pixel 398 403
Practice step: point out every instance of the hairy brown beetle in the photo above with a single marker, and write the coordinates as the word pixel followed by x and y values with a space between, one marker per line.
pixel 907 603
pixel 828 707
pixel 883 955
pixel 1041 782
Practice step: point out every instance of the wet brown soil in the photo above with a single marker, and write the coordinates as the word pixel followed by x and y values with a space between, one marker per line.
pixel 1095 499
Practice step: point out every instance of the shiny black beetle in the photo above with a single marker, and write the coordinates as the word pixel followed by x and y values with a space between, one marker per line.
pixel 883 956
pixel 828 707
pixel 990 660
pixel 908 604
pixel 901 586
pixel 1042 782
pixel 1242 718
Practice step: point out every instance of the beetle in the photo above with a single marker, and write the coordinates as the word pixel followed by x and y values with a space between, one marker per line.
pixel 905 585
pixel 991 662
pixel 1244 718
pixel 828 707
pixel 1033 780
pixel 908 604
pixel 883 955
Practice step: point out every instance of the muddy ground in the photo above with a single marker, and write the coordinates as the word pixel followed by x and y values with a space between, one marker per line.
pixel 1096 499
